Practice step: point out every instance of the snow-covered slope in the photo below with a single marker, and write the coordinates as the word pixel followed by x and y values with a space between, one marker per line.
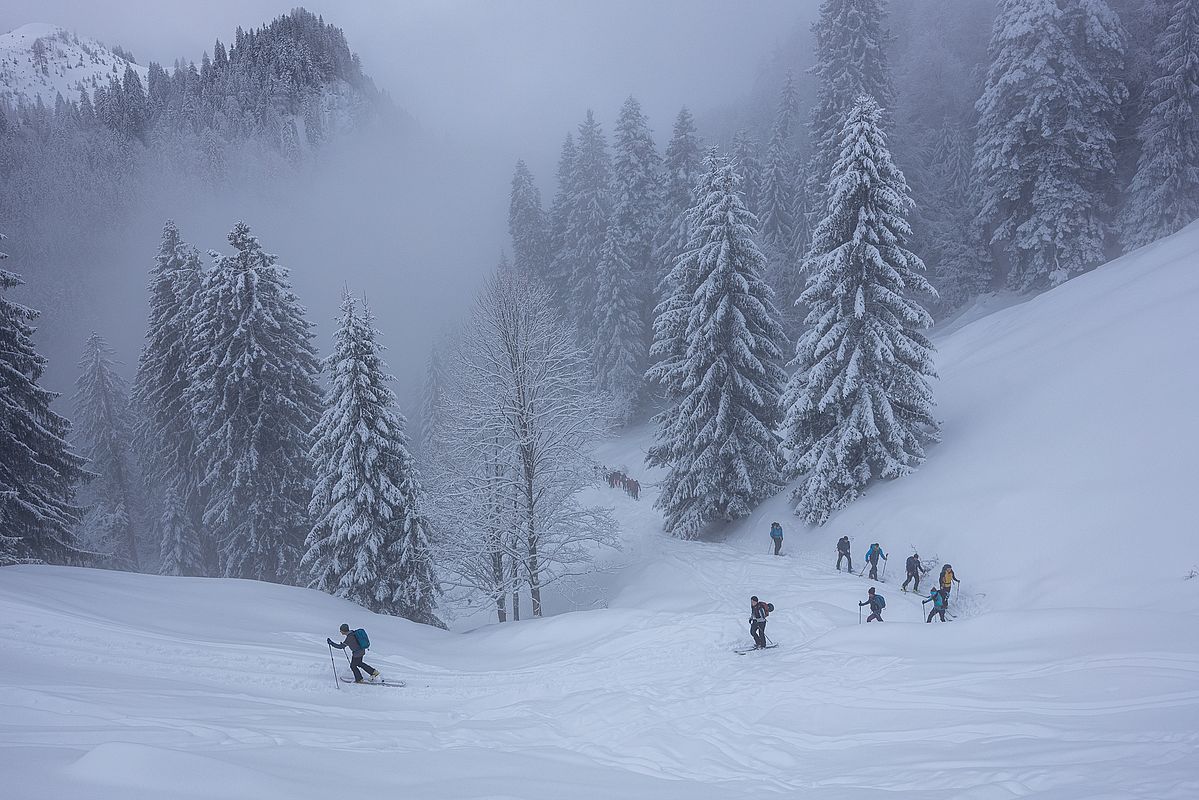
pixel 40 60
pixel 1071 672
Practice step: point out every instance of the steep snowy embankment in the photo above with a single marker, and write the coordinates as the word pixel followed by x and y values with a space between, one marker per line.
pixel 1071 673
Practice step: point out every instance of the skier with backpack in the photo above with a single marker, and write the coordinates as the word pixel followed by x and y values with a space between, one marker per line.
pixel 843 552
pixel 939 600
pixel 915 570
pixel 776 534
pixel 876 603
pixel 872 556
pixel 946 581
pixel 759 610
pixel 357 641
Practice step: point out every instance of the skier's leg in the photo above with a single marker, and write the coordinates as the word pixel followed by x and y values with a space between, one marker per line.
pixel 931 614
pixel 906 582
pixel 778 545
pixel 355 666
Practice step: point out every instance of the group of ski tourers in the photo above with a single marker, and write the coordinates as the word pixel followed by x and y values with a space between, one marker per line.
pixel 939 596
pixel 759 610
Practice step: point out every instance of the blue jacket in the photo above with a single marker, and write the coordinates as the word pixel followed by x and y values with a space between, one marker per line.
pixel 776 531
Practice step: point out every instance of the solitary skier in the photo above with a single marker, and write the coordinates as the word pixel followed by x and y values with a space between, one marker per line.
pixel 872 556
pixel 939 600
pixel 876 603
pixel 357 651
pixel 843 552
pixel 946 581
pixel 915 570
pixel 776 534
pixel 758 611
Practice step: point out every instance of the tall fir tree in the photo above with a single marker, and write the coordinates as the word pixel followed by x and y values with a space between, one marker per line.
pixel 851 60
pixel 255 398
pixel 1164 193
pixel 859 403
pixel 369 541
pixel 682 168
pixel 558 272
pixel 104 435
pixel 1044 155
pixel 432 404
pixel 180 551
pixel 39 471
pixel 588 216
pixel 718 436
pixel 778 205
pixel 165 436
pixel 528 224
pixel 637 186
pixel 957 262
pixel 776 224
pixel 619 348
pixel 748 163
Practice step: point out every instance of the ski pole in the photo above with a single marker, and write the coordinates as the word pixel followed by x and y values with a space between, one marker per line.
pixel 767 638
pixel 885 560
pixel 859 613
pixel 333 664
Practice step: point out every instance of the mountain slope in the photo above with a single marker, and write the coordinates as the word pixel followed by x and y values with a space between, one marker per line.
pixel 42 61
pixel 1056 681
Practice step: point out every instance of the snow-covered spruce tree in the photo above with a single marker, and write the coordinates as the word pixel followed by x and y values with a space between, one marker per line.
pixel 859 403
pixel 718 436
pixel 636 199
pixel 589 209
pixel 682 169
pixel 104 435
pixel 528 224
pixel 748 163
pixel 776 224
pixel 38 470
pixel 1164 194
pixel 957 262
pixel 851 60
pixel 558 271
pixel 369 541
pixel 619 348
pixel 1044 159
pixel 165 434
pixel 255 399
pixel 430 405
pixel 179 542
pixel 525 407
pixel 779 200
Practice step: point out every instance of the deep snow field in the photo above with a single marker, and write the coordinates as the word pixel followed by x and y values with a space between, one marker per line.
pixel 1063 495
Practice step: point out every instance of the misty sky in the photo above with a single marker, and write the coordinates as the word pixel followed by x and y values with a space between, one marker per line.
pixel 488 82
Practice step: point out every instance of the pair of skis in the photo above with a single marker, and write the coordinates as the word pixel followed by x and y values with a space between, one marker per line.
pixel 743 650
pixel 380 682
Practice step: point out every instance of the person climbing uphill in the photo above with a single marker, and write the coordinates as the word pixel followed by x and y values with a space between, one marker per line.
pixel 776 533
pixel 843 552
pixel 759 610
pixel 357 651
pixel 939 600
pixel 872 556
pixel 876 603
pixel 915 570
pixel 946 581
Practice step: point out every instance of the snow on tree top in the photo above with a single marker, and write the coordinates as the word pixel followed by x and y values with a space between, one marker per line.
pixel 40 60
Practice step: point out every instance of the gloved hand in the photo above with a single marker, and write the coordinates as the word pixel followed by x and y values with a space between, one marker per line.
pixel 331 642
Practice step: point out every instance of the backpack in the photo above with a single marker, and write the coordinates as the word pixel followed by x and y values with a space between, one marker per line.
pixel 769 608
pixel 938 599
pixel 364 641
pixel 882 602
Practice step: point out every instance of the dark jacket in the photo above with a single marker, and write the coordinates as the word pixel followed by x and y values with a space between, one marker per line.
pixel 914 566
pixel 843 544
pixel 352 643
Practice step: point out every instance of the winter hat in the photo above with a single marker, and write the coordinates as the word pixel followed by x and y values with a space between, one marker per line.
pixel 345 628
pixel 870 590
pixel 753 599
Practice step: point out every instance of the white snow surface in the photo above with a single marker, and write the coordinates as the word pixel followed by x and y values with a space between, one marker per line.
pixel 1061 496
pixel 70 63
